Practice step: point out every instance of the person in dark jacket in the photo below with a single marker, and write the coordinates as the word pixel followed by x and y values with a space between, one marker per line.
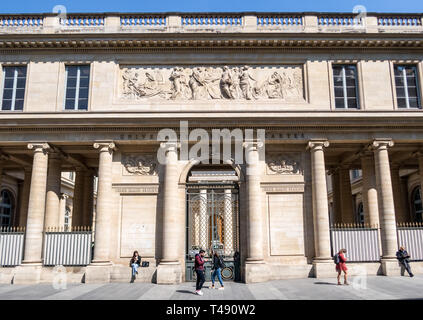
pixel 199 270
pixel 218 265
pixel 135 263
pixel 404 259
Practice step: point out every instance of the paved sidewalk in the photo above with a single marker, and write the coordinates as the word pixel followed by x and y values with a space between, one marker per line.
pixel 319 289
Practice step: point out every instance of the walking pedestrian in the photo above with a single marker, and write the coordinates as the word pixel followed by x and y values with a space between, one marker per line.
pixel 135 263
pixel 404 259
pixel 341 266
pixel 218 265
pixel 199 270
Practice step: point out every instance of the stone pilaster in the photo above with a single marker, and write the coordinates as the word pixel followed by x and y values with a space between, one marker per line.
pixel 53 191
pixel 23 208
pixel 78 198
pixel 169 270
pixel 420 159
pixel 336 196
pixel 400 215
pixel 99 270
pixel 30 270
pixel 322 263
pixel 88 199
pixel 369 191
pixel 346 195
pixel 61 220
pixel 255 268
pixel 388 231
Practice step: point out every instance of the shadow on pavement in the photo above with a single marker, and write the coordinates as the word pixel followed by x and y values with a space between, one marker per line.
pixel 328 283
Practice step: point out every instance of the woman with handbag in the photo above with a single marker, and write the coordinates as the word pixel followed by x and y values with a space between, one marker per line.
pixel 218 265
pixel 135 263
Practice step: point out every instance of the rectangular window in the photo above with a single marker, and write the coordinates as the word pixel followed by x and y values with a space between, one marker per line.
pixel 14 82
pixel 407 86
pixel 345 85
pixel 77 86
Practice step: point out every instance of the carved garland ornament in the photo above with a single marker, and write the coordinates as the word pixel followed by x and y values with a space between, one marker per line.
pixel 140 165
pixel 212 83
pixel 284 164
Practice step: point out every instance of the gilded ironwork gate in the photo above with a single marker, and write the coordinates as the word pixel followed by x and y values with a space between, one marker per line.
pixel 213 225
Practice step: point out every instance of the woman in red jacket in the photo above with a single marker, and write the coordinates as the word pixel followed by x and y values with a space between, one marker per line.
pixel 342 266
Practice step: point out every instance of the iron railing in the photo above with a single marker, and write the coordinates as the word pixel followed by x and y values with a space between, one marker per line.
pixel 11 246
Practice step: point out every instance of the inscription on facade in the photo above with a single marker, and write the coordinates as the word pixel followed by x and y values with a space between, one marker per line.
pixel 283 82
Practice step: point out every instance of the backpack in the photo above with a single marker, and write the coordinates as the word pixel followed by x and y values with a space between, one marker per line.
pixel 336 259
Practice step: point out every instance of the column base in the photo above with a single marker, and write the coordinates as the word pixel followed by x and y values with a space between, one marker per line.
pixel 27 274
pixel 257 271
pixel 323 268
pixel 169 273
pixel 390 267
pixel 98 273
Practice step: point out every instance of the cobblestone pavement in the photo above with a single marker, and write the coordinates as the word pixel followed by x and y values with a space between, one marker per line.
pixel 374 287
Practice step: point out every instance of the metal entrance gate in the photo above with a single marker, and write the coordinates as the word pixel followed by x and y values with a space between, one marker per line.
pixel 213 225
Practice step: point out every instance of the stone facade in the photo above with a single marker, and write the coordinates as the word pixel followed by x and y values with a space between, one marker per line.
pixel 252 74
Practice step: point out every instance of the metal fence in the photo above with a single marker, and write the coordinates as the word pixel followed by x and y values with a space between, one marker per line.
pixel 410 236
pixel 360 241
pixel 11 246
pixel 68 248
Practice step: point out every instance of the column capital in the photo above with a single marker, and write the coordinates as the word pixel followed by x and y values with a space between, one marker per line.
pixel 64 196
pixel 39 147
pixel 170 145
pixel 380 144
pixel 252 145
pixel 105 146
pixel 317 144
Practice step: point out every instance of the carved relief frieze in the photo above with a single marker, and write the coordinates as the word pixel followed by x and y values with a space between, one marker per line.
pixel 283 83
pixel 284 164
pixel 134 164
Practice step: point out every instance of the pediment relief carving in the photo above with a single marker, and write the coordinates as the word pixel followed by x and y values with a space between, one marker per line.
pixel 284 164
pixel 284 83
pixel 144 165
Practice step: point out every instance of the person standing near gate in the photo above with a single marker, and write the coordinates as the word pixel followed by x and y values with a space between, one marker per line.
pixel 404 259
pixel 199 270
pixel 218 265
pixel 341 265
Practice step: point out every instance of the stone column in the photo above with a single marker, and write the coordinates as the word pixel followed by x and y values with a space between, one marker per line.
pixel 23 209
pixel 400 215
pixel 169 270
pixel 336 195
pixel 78 197
pixel 322 263
pixel 369 193
pixel 99 270
pixel 53 191
pixel 61 220
pixel 228 229
pixel 255 268
pixel 388 230
pixel 346 195
pixel 88 199
pixel 204 221
pixel 420 158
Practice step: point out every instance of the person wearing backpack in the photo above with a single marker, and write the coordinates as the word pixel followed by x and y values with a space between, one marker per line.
pixel 341 265
pixel 218 265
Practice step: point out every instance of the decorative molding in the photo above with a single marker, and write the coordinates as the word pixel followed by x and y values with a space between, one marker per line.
pixel 282 187
pixel 284 164
pixel 283 83
pixel 135 164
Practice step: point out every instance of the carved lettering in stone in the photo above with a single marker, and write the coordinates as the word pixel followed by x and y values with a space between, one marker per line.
pixel 140 164
pixel 212 83
pixel 288 163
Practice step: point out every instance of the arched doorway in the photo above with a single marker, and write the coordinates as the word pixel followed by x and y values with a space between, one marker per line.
pixel 212 221
pixel 6 208
pixel 416 203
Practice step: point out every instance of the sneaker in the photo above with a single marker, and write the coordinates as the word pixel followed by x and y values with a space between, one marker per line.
pixel 221 288
pixel 411 275
pixel 199 293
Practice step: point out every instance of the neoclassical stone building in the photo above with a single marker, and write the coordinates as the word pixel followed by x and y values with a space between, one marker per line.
pixel 89 94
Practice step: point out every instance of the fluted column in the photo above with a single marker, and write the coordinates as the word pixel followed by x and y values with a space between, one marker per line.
pixel 88 199
pixel 78 197
pixel 171 222
pixel 53 191
pixel 255 218
pixel 399 205
pixel 228 231
pixel 23 208
pixel 61 220
pixel 369 193
pixel 346 195
pixel 104 201
pixel 320 201
pixel 385 199
pixel 204 221
pixel 336 195
pixel 36 205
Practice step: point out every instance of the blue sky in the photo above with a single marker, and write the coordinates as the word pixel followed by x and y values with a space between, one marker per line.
pixel 31 6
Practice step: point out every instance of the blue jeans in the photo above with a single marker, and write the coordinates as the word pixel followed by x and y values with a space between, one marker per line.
pixel 134 268
pixel 219 276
